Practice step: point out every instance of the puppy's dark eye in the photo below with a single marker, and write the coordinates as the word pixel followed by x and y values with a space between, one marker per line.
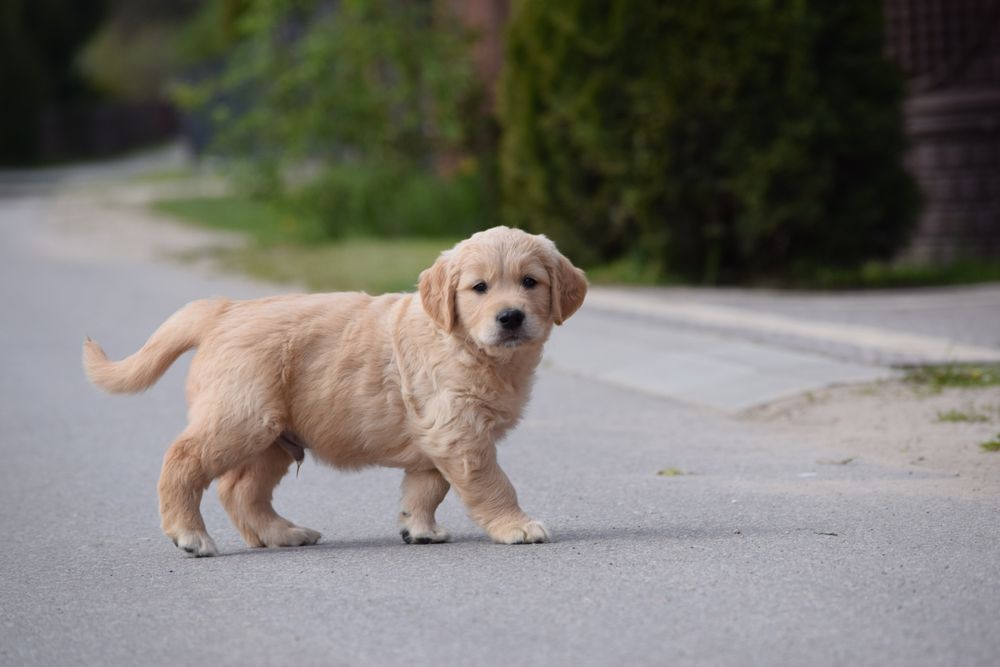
pixel 480 287
pixel 529 282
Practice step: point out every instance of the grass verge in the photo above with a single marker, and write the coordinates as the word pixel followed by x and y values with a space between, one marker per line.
pixel 368 265
pixel 883 275
pixel 264 222
pixel 874 275
pixel 969 376
pixel 288 247
pixel 962 416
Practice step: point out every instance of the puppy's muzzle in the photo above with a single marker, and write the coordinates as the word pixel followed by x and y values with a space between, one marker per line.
pixel 511 319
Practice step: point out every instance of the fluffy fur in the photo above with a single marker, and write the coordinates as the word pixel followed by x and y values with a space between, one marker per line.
pixel 426 382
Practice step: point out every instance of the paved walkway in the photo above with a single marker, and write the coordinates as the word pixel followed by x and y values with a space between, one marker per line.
pixel 911 326
pixel 698 368
pixel 736 349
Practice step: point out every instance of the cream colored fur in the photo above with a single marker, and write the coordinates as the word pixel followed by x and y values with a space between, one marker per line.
pixel 426 382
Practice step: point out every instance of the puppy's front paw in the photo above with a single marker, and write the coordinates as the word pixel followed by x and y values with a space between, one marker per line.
pixel 524 532
pixel 433 535
pixel 198 544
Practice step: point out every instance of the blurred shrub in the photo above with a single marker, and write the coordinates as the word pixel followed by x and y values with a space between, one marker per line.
pixel 209 32
pixel 142 44
pixel 140 75
pixel 342 108
pixel 717 141
pixel 384 201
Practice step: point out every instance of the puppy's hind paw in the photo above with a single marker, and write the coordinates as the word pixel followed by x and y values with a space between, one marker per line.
pixel 526 532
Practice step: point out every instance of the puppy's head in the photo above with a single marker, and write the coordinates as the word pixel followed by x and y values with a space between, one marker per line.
pixel 502 288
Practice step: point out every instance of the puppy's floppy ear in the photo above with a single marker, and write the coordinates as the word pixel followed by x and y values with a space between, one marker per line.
pixel 437 292
pixel 569 287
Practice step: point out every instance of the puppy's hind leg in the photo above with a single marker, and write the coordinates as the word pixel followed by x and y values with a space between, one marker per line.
pixel 423 491
pixel 182 482
pixel 246 494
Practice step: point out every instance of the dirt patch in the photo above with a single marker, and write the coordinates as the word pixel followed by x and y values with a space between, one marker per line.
pixel 898 424
pixel 113 223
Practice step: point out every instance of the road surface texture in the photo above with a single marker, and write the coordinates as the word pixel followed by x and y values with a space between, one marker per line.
pixel 760 556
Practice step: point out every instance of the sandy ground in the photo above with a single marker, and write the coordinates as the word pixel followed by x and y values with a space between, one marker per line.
pixel 899 424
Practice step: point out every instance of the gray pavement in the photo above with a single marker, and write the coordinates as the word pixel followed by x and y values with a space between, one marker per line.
pixel 736 349
pixel 762 556
pixel 967 314
pixel 889 327
pixel 729 374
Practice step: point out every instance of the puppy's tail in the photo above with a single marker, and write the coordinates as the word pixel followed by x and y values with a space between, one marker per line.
pixel 182 331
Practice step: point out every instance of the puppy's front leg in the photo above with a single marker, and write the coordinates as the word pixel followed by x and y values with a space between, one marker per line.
pixel 489 495
pixel 423 491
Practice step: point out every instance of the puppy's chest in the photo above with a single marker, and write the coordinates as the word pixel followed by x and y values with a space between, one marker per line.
pixel 475 410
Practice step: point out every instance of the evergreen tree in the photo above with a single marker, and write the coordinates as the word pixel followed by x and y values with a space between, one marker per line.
pixel 719 140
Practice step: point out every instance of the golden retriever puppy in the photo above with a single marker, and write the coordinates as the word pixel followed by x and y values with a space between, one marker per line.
pixel 426 382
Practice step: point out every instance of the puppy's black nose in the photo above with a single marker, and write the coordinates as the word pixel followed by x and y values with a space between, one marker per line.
pixel 510 318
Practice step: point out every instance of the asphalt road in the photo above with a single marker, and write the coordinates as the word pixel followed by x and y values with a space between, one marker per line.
pixel 761 557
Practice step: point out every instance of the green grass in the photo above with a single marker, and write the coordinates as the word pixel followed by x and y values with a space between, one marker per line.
pixel 287 247
pixel 265 222
pixel 957 416
pixel 369 265
pixel 968 376
pixel 991 445
pixel 873 275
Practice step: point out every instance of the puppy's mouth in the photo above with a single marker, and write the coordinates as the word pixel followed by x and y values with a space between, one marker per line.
pixel 511 338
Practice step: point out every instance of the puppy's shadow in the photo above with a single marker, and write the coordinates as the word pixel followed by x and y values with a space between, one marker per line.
pixel 683 533
pixel 571 536
pixel 645 534
pixel 334 544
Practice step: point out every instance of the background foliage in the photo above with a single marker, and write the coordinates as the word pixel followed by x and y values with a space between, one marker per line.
pixel 716 141
pixel 343 109
pixel 720 141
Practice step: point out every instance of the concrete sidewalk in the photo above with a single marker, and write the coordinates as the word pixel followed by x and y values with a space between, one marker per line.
pixel 885 327
pixel 735 349
pixel 697 368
